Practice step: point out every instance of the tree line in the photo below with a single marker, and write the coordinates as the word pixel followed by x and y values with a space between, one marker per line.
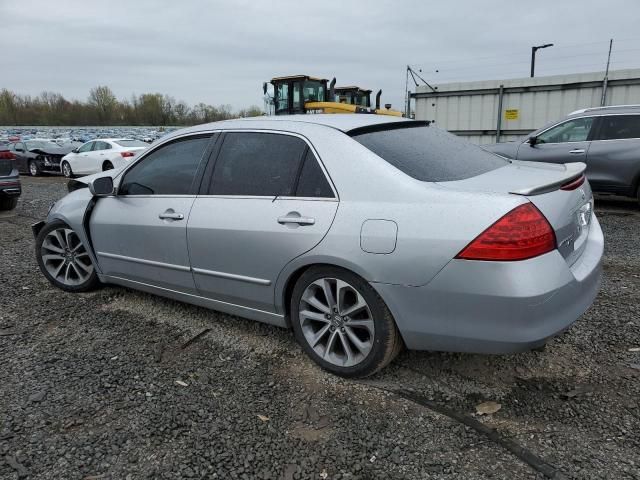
pixel 103 108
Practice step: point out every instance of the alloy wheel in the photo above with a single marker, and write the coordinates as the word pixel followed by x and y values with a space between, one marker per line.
pixel 336 321
pixel 66 170
pixel 33 169
pixel 65 258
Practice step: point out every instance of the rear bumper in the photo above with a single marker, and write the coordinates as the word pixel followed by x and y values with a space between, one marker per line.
pixel 497 307
pixel 10 186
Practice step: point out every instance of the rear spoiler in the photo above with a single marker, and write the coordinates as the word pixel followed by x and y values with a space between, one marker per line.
pixel 571 172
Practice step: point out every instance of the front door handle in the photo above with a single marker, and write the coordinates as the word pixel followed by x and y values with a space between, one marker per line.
pixel 296 218
pixel 577 151
pixel 171 215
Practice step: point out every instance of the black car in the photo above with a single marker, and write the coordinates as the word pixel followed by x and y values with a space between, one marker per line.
pixel 39 156
pixel 10 188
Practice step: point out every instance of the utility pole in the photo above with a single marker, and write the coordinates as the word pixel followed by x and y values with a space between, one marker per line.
pixel 533 56
pixel 603 100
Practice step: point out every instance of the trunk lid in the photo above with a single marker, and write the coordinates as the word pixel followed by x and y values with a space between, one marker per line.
pixel 568 211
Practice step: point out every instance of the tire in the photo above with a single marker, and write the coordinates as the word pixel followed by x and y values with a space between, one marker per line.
pixel 107 166
pixel 73 271
pixel 638 195
pixel 365 339
pixel 8 203
pixel 34 168
pixel 66 170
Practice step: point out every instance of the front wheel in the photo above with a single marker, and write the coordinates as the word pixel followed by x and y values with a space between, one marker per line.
pixel 8 203
pixel 66 170
pixel 34 169
pixel 342 323
pixel 63 258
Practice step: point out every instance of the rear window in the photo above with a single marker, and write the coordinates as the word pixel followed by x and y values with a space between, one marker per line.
pixel 131 143
pixel 427 153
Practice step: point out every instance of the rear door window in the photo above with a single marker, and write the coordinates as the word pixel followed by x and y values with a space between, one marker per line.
pixel 257 164
pixel 615 127
pixel 313 182
pixel 427 153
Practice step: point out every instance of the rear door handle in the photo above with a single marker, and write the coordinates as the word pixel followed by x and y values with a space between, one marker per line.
pixel 577 151
pixel 171 215
pixel 296 219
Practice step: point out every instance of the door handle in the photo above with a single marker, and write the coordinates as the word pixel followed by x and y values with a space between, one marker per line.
pixel 577 151
pixel 297 219
pixel 170 215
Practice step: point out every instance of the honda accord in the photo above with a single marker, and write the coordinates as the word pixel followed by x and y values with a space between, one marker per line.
pixel 362 233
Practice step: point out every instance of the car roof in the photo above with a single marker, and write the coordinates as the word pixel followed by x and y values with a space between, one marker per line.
pixel 344 122
pixel 606 110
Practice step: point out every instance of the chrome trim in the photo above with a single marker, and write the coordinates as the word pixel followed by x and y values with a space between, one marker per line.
pixel 142 261
pixel 232 276
pixel 205 299
pixel 271 198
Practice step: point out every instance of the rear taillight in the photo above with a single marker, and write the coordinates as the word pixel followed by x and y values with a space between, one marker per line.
pixel 127 154
pixel 7 155
pixel 573 184
pixel 522 233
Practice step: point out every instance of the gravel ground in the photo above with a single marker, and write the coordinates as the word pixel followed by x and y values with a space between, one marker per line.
pixel 89 387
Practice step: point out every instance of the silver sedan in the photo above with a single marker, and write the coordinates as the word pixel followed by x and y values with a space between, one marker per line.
pixel 362 233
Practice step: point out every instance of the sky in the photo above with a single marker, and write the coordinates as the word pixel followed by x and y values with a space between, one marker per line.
pixel 220 52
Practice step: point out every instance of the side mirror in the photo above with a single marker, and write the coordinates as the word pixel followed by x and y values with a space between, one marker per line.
pixel 75 150
pixel 264 88
pixel 19 149
pixel 533 141
pixel 101 187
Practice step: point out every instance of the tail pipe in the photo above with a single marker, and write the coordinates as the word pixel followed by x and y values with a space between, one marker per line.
pixel 378 95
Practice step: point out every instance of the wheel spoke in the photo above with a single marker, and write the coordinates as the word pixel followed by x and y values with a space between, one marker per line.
pixel 363 347
pixel 68 238
pixel 58 270
pixel 347 348
pixel 60 239
pixel 366 323
pixel 86 268
pixel 52 257
pixel 330 343
pixel 319 335
pixel 355 308
pixel 320 317
pixel 328 293
pixel 50 246
pixel 66 273
pixel 312 300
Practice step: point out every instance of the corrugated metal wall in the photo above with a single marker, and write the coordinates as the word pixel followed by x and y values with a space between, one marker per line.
pixel 471 109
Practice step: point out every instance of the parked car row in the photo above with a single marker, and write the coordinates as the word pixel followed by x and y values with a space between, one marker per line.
pixel 606 139
pixel 39 156
pixel 10 187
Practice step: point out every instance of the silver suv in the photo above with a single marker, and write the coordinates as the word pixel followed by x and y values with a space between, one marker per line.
pixel 607 139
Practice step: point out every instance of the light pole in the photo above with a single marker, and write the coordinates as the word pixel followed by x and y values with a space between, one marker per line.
pixel 533 56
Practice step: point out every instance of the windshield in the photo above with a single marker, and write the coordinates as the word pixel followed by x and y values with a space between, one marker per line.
pixel 131 143
pixel 427 153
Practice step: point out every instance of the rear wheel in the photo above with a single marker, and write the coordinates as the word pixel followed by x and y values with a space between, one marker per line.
pixel 63 259
pixel 8 203
pixel 107 166
pixel 34 169
pixel 66 170
pixel 342 323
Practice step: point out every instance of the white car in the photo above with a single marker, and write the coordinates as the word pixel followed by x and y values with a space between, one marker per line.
pixel 100 155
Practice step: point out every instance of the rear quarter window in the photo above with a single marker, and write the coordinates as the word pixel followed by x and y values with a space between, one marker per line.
pixel 427 153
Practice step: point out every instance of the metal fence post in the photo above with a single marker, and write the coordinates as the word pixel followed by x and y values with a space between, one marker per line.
pixel 499 122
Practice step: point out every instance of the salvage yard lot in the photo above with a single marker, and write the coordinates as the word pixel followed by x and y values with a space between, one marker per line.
pixel 113 384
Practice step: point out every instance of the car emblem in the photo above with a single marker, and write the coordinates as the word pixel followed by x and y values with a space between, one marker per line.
pixel 584 195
